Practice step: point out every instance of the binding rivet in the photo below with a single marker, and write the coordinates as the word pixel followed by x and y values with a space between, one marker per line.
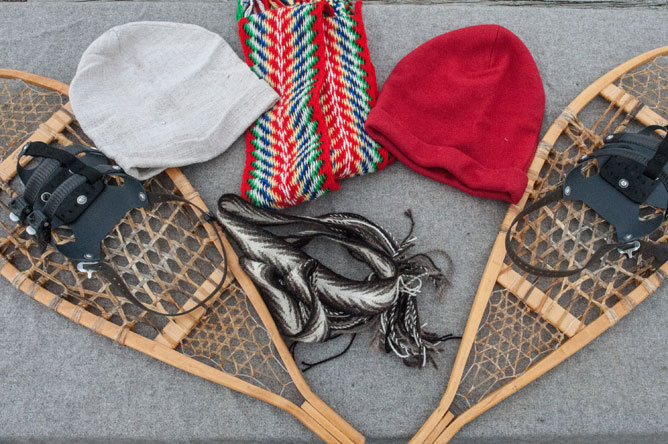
pixel 567 191
pixel 81 200
pixel 142 196
pixel 45 196
pixel 623 183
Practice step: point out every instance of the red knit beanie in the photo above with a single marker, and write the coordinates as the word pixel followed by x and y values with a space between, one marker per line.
pixel 464 108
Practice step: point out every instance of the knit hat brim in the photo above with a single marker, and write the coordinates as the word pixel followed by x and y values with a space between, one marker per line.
pixel 438 162
pixel 464 108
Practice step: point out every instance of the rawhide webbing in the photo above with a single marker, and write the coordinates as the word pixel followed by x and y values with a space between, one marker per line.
pixel 78 187
pixel 632 173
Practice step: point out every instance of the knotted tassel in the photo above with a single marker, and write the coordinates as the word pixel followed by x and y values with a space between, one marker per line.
pixel 310 302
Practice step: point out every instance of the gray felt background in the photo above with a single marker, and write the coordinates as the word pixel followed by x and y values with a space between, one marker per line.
pixel 62 383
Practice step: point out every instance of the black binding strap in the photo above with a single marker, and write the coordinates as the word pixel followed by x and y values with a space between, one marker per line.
pixel 39 178
pixel 54 168
pixel 61 193
pixel 118 284
pixel 645 248
pixel 637 158
pixel 629 169
pixel 68 160
pixel 21 206
pixel 62 187
pixel 658 161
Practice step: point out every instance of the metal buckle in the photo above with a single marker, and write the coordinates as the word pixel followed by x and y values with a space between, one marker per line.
pixel 635 246
pixel 82 269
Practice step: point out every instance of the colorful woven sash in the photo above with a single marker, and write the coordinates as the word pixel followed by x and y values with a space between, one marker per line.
pixel 316 57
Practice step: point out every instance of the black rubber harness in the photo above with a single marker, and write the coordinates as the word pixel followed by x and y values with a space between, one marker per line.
pixel 632 172
pixel 70 187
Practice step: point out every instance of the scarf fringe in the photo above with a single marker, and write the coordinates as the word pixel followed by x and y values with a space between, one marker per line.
pixel 312 303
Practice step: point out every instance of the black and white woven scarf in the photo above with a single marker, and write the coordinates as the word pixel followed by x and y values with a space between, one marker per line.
pixel 310 302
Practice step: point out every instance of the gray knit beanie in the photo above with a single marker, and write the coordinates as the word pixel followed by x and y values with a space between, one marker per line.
pixel 154 95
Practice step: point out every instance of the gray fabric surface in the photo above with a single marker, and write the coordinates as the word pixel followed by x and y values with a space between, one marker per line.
pixel 59 381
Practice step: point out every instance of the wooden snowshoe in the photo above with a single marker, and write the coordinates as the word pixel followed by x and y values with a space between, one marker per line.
pixel 569 274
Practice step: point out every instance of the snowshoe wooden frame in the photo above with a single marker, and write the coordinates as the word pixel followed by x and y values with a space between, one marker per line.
pixel 312 411
pixel 621 108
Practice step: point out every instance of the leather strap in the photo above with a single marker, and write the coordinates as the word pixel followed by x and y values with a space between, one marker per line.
pixel 646 248
pixel 119 285
pixel 79 177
